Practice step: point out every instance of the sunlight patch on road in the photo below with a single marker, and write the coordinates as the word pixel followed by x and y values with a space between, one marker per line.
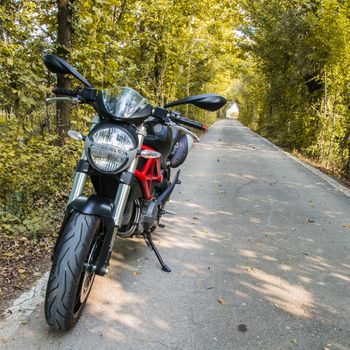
pixel 291 298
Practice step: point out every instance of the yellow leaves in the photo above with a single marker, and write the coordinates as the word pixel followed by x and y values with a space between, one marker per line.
pixel 136 273
pixel 9 61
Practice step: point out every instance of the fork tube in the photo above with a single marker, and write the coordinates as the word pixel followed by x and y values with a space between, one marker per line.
pixel 123 189
pixel 79 183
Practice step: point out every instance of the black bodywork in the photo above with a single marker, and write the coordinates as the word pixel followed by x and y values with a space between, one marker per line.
pixel 159 137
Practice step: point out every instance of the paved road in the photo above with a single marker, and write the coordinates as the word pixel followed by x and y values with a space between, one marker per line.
pixel 260 259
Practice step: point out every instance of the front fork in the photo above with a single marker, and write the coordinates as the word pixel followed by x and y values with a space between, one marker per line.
pixel 123 191
pixel 119 204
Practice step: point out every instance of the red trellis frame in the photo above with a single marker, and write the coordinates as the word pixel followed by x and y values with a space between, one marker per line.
pixel 151 172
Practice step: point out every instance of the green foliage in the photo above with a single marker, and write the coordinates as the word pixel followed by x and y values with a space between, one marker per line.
pixel 34 172
pixel 295 87
pixel 164 49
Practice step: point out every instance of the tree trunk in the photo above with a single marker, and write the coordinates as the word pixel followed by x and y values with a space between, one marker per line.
pixel 64 45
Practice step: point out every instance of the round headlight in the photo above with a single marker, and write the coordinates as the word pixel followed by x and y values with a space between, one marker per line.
pixel 111 149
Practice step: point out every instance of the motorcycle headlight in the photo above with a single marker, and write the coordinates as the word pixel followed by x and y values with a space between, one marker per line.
pixel 111 149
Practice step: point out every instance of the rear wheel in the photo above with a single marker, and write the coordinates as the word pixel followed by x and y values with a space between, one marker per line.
pixel 72 273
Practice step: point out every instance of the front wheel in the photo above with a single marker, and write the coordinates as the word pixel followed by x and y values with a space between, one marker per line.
pixel 72 273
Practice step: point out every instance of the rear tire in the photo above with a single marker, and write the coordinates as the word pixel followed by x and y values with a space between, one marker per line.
pixel 70 280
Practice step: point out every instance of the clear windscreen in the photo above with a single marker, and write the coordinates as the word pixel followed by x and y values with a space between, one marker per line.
pixel 123 102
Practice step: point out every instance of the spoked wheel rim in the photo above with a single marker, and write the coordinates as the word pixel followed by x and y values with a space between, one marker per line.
pixel 88 276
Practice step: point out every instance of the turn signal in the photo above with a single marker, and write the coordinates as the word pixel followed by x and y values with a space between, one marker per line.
pixel 148 154
pixel 76 135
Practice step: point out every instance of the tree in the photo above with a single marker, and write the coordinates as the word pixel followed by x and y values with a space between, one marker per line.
pixel 64 46
pixel 298 55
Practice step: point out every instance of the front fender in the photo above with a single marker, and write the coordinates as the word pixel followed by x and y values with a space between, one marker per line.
pixel 93 205
pixel 96 205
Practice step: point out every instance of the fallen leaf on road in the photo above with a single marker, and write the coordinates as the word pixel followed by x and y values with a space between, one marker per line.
pixel 294 341
pixel 309 221
pixel 136 273
pixel 250 269
pixel 221 300
pixel 346 225
pixel 17 286
pixel 195 218
pixel 242 327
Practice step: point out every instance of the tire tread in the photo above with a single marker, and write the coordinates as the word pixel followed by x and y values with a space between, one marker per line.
pixel 66 270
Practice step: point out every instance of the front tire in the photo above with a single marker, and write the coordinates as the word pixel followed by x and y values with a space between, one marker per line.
pixel 71 276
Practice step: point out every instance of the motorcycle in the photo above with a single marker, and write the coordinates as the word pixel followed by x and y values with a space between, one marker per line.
pixel 128 155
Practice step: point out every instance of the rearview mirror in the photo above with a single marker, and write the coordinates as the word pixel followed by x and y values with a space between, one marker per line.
pixel 208 102
pixel 58 65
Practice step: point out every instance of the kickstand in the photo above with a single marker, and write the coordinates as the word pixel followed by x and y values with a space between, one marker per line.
pixel 149 241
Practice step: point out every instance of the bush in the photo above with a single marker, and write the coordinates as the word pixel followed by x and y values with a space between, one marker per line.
pixel 34 174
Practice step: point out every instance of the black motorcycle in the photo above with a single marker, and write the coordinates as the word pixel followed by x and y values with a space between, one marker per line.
pixel 128 155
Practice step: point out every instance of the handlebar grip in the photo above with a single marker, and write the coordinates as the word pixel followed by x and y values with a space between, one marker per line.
pixel 189 122
pixel 64 92
pixel 192 123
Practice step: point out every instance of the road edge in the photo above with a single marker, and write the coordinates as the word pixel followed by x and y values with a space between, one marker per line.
pixel 22 307
pixel 331 181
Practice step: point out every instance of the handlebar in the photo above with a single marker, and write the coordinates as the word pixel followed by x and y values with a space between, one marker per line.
pixel 65 92
pixel 83 94
pixel 176 117
pixel 89 95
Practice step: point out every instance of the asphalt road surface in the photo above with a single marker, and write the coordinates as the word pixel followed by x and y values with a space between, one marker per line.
pixel 260 259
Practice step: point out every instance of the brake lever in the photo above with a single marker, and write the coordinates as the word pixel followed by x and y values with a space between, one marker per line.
pixel 73 100
pixel 186 131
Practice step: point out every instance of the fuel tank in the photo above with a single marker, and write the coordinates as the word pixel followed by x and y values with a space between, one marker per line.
pixel 159 137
